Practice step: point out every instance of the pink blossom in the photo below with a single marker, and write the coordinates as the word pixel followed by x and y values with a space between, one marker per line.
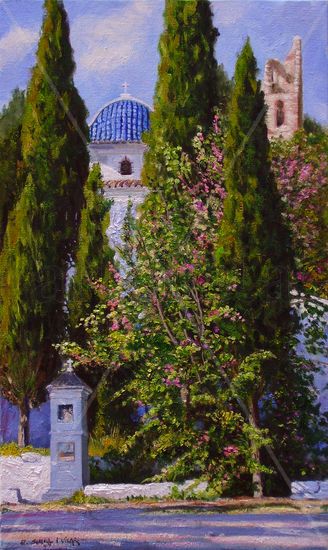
pixel 199 206
pixel 176 382
pixel 231 450
pixel 204 438
pixel 112 304
pixel 214 313
pixel 217 152
pixel 306 172
pixel 216 125
pixel 126 323
pixel 201 280
pixel 115 325
pixel 168 368
pixel 300 276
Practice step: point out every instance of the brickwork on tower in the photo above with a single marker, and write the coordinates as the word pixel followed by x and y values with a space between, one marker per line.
pixel 282 86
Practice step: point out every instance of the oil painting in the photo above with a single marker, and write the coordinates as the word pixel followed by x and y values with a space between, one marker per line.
pixel 163 274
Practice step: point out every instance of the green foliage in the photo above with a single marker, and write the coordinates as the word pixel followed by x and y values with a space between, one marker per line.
pixel 41 233
pixel 99 446
pixel 12 449
pixel 254 238
pixel 80 498
pixel 11 114
pixel 93 254
pixel 314 129
pixel 225 87
pixel 166 334
pixel 256 242
pixel 10 157
pixel 191 493
pixel 187 86
pixel 253 234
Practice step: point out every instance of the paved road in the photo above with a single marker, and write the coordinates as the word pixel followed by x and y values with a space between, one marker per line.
pixel 168 529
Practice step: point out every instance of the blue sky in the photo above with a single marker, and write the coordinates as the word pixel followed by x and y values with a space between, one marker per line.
pixel 116 40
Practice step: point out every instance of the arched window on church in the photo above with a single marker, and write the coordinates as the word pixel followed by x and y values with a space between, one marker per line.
pixel 126 167
pixel 280 113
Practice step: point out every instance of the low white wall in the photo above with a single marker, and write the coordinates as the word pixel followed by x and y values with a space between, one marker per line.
pixel 25 477
pixel 316 490
pixel 117 491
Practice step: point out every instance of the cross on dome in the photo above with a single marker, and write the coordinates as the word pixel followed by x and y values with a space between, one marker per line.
pixel 125 93
pixel 69 365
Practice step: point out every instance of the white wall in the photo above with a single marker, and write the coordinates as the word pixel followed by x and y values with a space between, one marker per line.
pixel 110 155
pixel 29 474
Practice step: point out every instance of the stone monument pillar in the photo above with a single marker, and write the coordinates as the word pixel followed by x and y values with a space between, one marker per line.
pixel 68 434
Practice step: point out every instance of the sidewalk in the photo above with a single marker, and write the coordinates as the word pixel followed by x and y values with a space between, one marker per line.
pixel 168 527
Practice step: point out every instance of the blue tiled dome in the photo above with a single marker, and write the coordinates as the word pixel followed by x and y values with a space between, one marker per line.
pixel 124 119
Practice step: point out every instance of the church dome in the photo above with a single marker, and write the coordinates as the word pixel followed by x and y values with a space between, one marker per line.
pixel 122 120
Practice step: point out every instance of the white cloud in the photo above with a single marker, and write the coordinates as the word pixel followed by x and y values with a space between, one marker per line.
pixel 16 44
pixel 105 43
pixel 227 13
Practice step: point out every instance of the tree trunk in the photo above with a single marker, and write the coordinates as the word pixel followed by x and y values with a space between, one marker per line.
pixel 23 437
pixel 257 476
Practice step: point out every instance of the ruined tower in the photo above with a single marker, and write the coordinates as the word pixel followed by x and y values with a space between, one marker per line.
pixel 282 86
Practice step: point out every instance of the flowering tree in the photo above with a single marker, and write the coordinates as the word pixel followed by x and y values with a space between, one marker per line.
pixel 300 167
pixel 167 324
pixel 167 340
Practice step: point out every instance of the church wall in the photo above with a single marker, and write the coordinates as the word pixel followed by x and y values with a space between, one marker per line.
pixel 121 198
pixel 111 154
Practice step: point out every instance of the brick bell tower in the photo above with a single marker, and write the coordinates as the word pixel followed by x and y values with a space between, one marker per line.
pixel 283 89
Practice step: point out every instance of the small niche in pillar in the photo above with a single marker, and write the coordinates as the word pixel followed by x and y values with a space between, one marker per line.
pixel 66 452
pixel 65 413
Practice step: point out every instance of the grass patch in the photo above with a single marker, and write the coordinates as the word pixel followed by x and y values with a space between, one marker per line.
pixel 230 508
pixel 191 493
pixel 12 449
pixel 324 508
pixel 77 499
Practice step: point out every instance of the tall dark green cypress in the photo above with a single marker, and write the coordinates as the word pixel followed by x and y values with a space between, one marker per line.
pixel 93 255
pixel 255 240
pixel 41 235
pixel 187 87
pixel 11 164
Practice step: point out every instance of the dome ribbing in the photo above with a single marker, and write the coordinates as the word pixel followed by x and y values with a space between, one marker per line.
pixel 122 120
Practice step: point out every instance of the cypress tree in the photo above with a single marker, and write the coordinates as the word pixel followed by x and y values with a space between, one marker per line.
pixel 10 157
pixel 11 114
pixel 187 86
pixel 41 234
pixel 254 238
pixel 93 254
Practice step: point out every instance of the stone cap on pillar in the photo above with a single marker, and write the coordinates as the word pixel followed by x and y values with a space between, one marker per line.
pixel 68 379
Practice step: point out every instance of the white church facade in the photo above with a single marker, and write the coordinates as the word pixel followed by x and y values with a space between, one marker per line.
pixel 116 144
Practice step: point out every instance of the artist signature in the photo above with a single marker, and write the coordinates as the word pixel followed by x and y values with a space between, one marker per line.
pixel 48 543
